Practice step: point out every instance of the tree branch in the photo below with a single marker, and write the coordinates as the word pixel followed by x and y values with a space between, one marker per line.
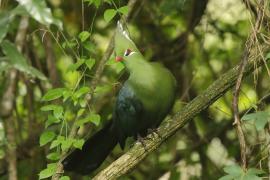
pixel 7 104
pixel 137 153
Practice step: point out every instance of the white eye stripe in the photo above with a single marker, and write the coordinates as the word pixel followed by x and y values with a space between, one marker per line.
pixel 131 53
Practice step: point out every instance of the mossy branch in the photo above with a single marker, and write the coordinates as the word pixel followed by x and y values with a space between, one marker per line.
pixel 137 153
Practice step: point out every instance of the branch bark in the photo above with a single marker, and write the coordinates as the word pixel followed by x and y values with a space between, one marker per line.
pixel 7 105
pixel 137 153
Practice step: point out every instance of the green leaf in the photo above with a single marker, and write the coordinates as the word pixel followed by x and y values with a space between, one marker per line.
pixel 89 46
pixel 251 177
pixel 53 94
pixel 123 10
pixel 45 173
pixel 81 122
pixel 78 143
pixel 227 177
pixel 4 24
pixel 90 63
pixel 81 91
pixel 50 107
pixel 84 35
pixel 233 170
pixel 83 102
pixel 95 118
pixel 95 2
pixel 66 94
pixel 57 142
pixel 46 137
pixel 109 14
pixel 80 112
pixel 18 61
pixel 74 67
pixel 51 120
pixel 255 171
pixel 64 178
pixel 260 118
pixel 40 12
pixel 58 112
pixel 65 145
pixel 267 56
pixel 49 171
pixel 53 156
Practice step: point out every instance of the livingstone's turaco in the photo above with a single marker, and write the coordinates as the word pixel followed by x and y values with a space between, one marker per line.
pixel 144 100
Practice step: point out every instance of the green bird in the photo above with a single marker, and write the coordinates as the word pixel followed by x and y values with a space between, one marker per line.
pixel 144 100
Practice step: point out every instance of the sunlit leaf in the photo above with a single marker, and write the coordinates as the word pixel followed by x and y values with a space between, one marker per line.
pixel 109 14
pixel 50 107
pixel 53 156
pixel 78 143
pixel 95 2
pixel 45 173
pixel 46 137
pixel 90 63
pixel 40 12
pixel 123 10
pixel 95 118
pixel 84 36
pixel 81 91
pixel 64 178
pixel 48 172
pixel 51 120
pixel 57 142
pixel 65 145
pixel 53 94
pixel 76 65
pixel 18 61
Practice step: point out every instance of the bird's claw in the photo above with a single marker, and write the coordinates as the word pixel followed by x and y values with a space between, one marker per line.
pixel 154 131
pixel 141 140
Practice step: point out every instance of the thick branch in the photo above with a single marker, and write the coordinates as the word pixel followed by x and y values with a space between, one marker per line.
pixel 137 153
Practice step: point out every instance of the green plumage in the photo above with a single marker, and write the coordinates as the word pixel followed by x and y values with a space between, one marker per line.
pixel 142 103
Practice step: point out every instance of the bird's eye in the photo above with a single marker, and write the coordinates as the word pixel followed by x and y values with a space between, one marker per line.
pixel 127 52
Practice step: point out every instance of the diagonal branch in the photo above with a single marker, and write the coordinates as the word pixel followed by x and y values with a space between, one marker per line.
pixel 137 153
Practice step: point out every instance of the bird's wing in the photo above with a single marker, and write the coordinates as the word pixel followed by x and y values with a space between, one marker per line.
pixel 128 111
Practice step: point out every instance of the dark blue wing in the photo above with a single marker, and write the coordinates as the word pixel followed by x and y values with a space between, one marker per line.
pixel 128 110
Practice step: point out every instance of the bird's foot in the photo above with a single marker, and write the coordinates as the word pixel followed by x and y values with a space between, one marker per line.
pixel 154 131
pixel 141 140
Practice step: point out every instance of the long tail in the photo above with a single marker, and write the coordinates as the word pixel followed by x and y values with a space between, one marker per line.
pixel 93 153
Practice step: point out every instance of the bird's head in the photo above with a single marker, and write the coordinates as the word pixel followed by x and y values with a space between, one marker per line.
pixel 126 55
pixel 123 43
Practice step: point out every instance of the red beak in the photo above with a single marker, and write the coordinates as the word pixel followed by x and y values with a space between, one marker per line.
pixel 118 59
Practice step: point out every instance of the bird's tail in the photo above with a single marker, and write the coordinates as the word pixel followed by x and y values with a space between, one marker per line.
pixel 93 153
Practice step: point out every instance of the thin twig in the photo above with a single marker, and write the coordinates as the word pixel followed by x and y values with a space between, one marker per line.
pixel 252 40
